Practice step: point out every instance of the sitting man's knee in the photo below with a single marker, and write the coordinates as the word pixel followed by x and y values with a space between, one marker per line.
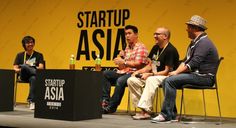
pixel 168 79
pixel 131 80
pixel 150 79
pixel 32 78
pixel 105 72
pixel 121 82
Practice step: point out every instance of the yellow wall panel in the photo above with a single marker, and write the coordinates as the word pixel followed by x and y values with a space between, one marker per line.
pixel 53 23
pixel 22 92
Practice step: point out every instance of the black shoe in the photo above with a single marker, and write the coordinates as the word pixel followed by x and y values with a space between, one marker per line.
pixel 108 110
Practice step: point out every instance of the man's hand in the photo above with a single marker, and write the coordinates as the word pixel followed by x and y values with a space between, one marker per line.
pixel 173 73
pixel 27 62
pixel 119 61
pixel 135 73
pixel 17 68
pixel 122 54
pixel 146 75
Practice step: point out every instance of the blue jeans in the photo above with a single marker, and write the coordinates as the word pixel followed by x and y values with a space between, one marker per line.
pixel 28 74
pixel 120 82
pixel 172 83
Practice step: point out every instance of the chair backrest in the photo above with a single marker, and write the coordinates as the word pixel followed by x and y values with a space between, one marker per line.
pixel 206 87
pixel 44 64
pixel 218 65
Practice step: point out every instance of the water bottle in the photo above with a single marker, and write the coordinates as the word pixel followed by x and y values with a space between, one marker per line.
pixel 72 62
pixel 98 63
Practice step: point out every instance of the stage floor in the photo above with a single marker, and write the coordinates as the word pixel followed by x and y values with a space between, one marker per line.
pixel 22 117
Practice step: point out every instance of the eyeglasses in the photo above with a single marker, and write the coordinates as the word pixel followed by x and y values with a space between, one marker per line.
pixel 29 42
pixel 156 34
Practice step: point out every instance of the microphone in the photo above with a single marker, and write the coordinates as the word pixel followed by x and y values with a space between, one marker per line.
pixel 138 75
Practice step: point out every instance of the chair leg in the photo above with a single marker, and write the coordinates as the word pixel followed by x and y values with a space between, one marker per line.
pixel 204 103
pixel 218 104
pixel 128 106
pixel 157 93
pixel 160 99
pixel 181 103
pixel 184 108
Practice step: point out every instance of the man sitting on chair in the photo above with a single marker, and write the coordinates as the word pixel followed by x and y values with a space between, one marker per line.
pixel 25 65
pixel 134 57
pixel 165 58
pixel 198 68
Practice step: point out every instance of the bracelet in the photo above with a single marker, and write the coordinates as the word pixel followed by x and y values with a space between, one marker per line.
pixel 153 74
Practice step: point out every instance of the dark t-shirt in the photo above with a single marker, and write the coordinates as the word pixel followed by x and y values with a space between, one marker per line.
pixel 36 58
pixel 169 57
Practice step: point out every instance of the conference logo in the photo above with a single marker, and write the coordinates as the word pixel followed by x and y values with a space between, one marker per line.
pixel 54 93
pixel 104 29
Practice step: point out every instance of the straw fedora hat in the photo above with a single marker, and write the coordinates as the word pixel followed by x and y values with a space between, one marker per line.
pixel 197 21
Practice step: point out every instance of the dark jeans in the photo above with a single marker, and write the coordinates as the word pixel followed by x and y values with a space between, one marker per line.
pixel 28 74
pixel 120 82
pixel 172 83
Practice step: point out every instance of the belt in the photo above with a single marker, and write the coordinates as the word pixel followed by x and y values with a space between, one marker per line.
pixel 207 74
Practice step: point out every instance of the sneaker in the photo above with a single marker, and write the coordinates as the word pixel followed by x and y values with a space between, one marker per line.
pixel 160 119
pixel 104 103
pixel 31 106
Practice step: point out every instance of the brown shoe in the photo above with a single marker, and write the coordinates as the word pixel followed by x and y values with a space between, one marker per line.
pixel 141 116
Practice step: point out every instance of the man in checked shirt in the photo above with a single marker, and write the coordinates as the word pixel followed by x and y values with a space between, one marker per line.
pixel 133 58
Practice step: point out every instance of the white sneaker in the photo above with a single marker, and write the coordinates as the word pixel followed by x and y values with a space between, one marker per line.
pixel 159 119
pixel 32 106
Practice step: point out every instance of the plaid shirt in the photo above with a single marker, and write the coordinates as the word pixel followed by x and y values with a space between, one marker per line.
pixel 137 53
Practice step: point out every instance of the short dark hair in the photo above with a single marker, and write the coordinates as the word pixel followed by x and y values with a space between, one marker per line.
pixel 134 28
pixel 27 39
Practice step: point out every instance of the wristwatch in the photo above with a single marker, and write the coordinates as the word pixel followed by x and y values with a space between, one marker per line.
pixel 125 62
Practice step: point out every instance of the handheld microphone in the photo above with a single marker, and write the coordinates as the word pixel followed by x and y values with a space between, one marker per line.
pixel 138 75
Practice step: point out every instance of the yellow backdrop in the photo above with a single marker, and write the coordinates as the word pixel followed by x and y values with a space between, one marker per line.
pixel 53 23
